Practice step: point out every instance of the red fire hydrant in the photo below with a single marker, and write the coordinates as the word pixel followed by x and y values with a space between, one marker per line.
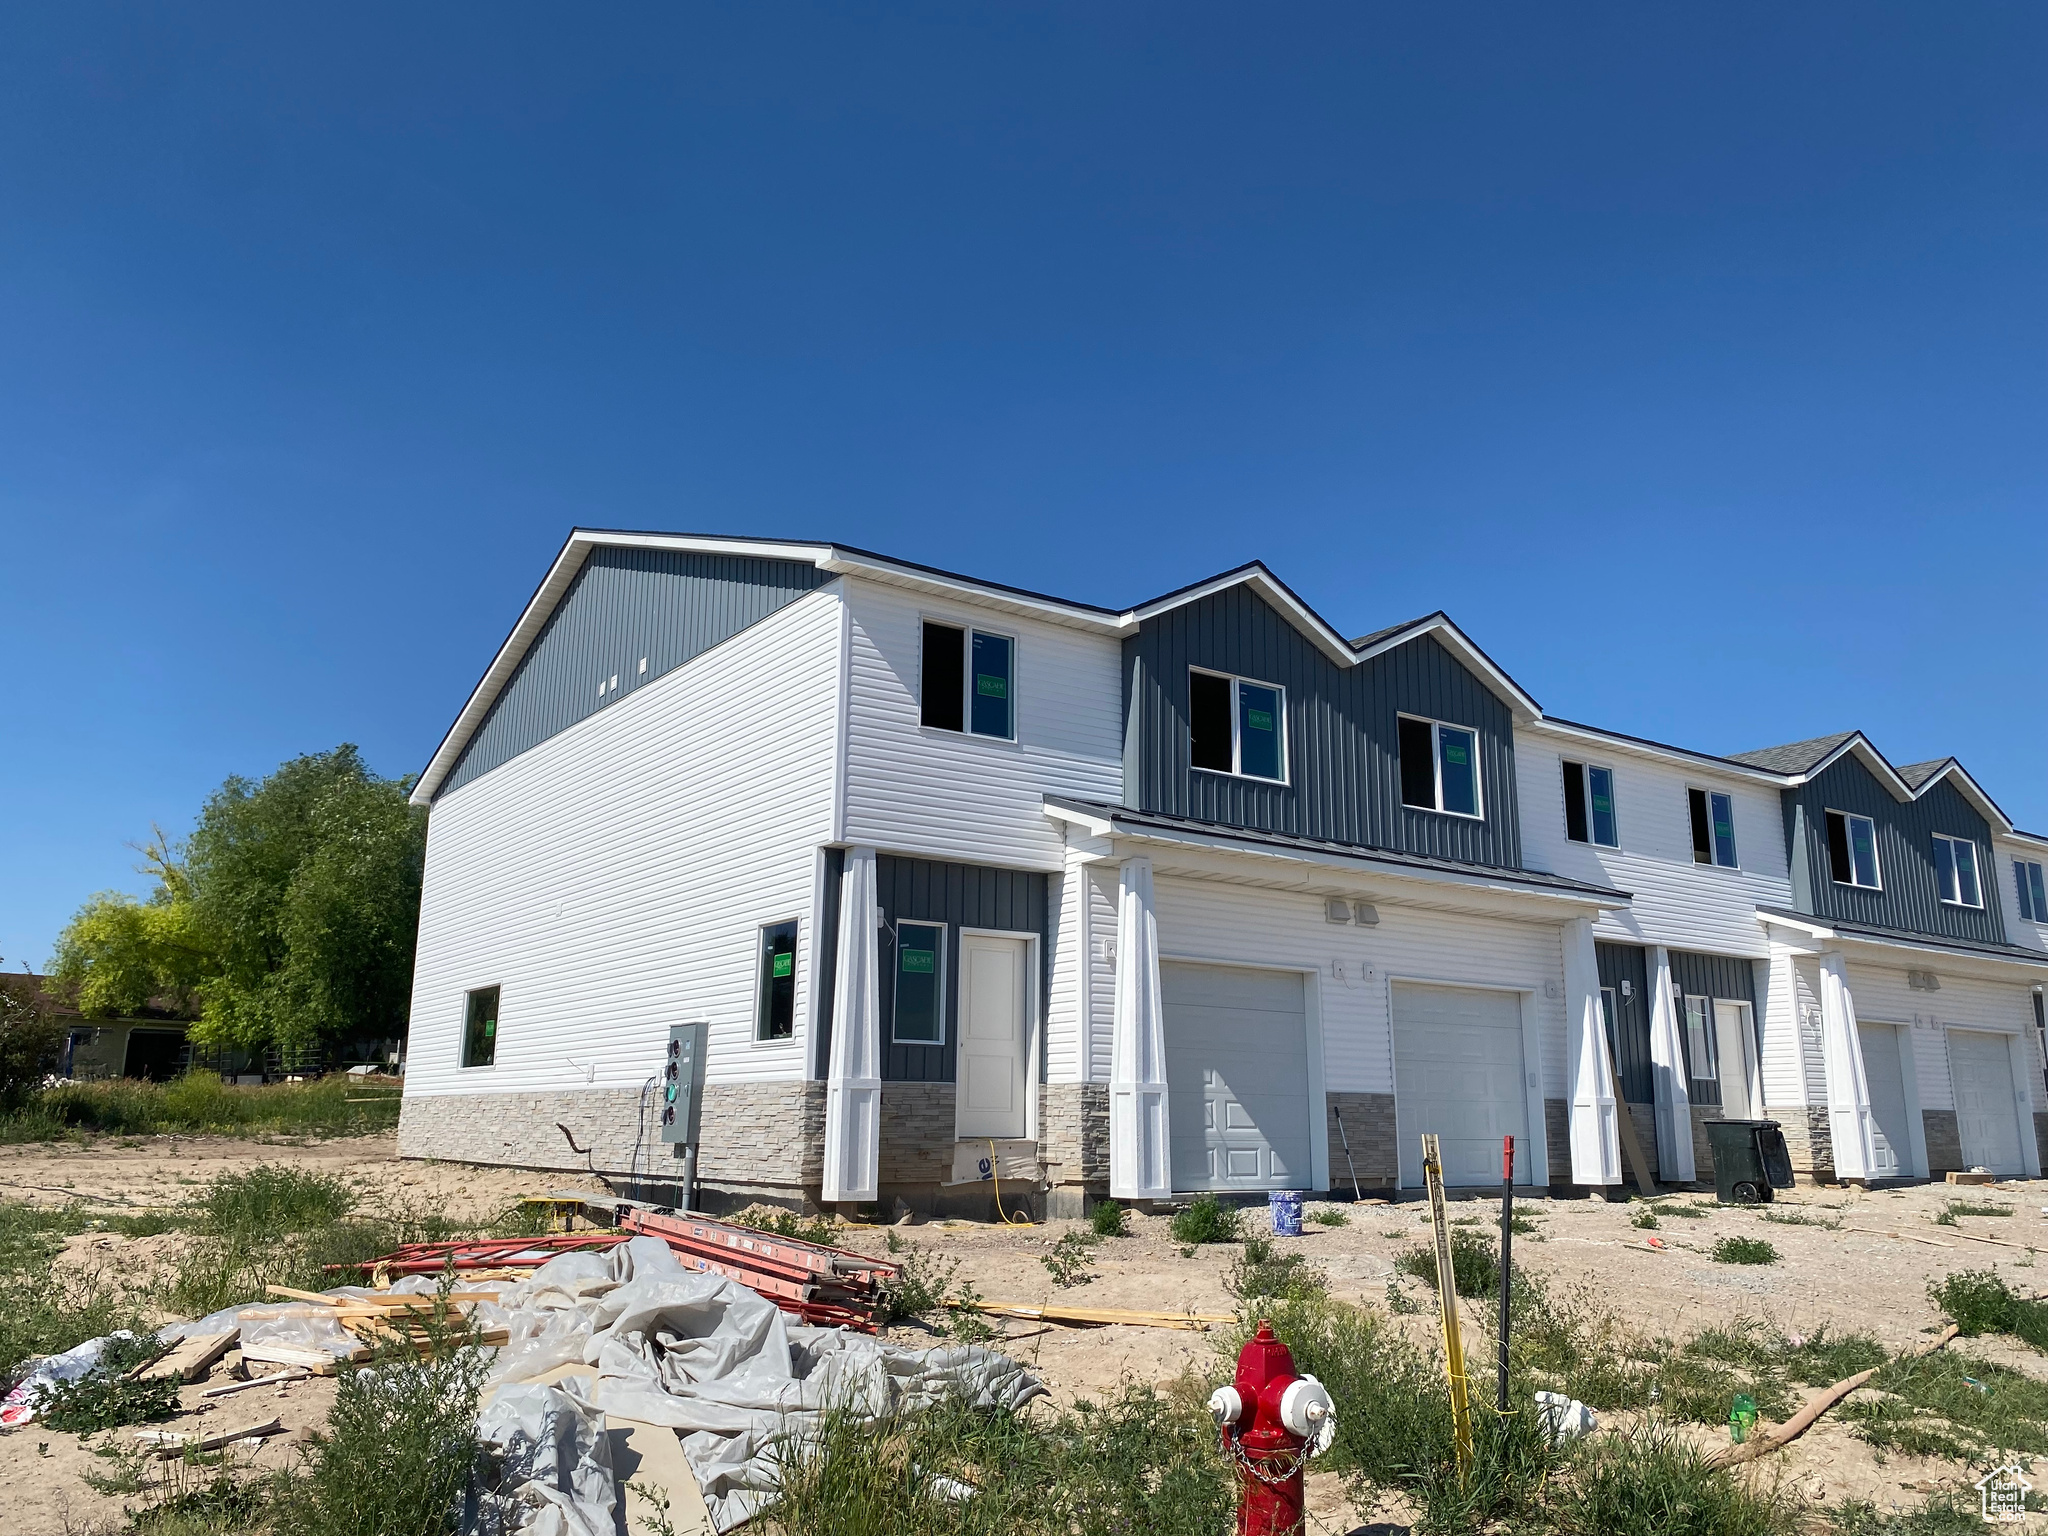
pixel 1273 1421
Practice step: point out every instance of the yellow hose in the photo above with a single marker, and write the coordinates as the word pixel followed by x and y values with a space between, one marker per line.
pixel 1005 1215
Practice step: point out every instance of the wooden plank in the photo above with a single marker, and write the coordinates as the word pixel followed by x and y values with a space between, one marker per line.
pixel 168 1443
pixel 275 1378
pixel 193 1357
pixel 319 1361
pixel 1191 1321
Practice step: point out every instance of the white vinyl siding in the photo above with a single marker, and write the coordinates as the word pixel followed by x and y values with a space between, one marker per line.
pixel 1675 902
pixel 2009 863
pixel 952 795
pixel 615 878
pixel 1963 1002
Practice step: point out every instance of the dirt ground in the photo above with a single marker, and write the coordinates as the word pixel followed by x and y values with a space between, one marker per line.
pixel 1855 1277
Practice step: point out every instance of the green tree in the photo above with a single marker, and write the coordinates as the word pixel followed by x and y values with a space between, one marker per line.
pixel 289 914
pixel 29 1039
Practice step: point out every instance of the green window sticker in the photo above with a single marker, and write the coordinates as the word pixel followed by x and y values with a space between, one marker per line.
pixel 918 962
pixel 1259 719
pixel 783 965
pixel 490 1028
pixel 1602 804
pixel 991 687
pixel 1454 752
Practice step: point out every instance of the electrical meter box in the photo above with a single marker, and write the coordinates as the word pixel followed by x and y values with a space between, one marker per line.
pixel 682 1083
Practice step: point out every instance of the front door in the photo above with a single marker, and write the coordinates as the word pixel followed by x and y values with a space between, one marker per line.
pixel 1735 1056
pixel 995 1035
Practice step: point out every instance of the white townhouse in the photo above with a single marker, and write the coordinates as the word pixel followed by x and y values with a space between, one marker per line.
pixel 1197 895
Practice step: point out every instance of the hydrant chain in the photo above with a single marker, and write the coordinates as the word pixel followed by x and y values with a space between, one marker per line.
pixel 1272 1421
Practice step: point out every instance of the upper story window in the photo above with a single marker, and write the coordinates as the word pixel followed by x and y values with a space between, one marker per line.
pixel 1237 726
pixel 1955 867
pixel 2033 892
pixel 1852 850
pixel 967 681
pixel 1713 827
pixel 775 998
pixel 1439 767
pixel 1589 804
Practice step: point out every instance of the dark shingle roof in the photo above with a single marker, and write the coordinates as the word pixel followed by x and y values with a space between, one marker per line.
pixel 1794 756
pixel 1916 774
pixel 1159 821
pixel 1362 641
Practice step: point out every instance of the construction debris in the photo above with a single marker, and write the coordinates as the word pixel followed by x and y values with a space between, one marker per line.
pixel 167 1443
pixel 1097 1317
pixel 193 1357
pixel 272 1379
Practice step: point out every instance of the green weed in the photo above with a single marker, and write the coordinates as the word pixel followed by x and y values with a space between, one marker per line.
pixel 1744 1250
pixel 1109 1219
pixel 1208 1220
pixel 1648 1484
pixel 1977 1208
pixel 1261 1275
pixel 1645 1218
pixel 1950 1404
pixel 41 1311
pixel 781 1222
pixel 1475 1263
pixel 201 1104
pixel 1329 1216
pixel 1979 1302
pixel 1799 1219
pixel 1072 1259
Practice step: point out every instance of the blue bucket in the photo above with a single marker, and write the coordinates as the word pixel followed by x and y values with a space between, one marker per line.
pixel 1285 1205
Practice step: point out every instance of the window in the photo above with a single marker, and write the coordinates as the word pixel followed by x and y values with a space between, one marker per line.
pixel 1713 827
pixel 1852 850
pixel 1589 805
pixel 2033 895
pixel 920 984
pixel 1237 726
pixel 480 1028
pixel 1439 767
pixel 1699 1016
pixel 967 681
pixel 1955 866
pixel 775 1007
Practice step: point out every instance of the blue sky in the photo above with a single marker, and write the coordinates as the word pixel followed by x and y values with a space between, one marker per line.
pixel 1692 357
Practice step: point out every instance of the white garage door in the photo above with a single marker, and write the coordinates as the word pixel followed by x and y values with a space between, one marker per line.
pixel 1458 1072
pixel 1885 1075
pixel 1985 1114
pixel 1236 1077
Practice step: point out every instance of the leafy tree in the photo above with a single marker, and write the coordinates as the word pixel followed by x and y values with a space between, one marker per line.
pixel 290 913
pixel 29 1039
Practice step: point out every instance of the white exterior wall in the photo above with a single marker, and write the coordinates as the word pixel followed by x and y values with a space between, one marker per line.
pixel 1963 1002
pixel 1083 997
pixel 612 880
pixel 950 795
pixel 2018 930
pixel 1213 920
pixel 1676 902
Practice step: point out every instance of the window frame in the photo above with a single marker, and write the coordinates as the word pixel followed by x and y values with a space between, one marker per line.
pixel 762 978
pixel 1237 681
pixel 938 979
pixel 1708 1052
pixel 1709 795
pixel 1587 769
pixel 1436 750
pixel 462 1046
pixel 1849 842
pixel 1976 872
pixel 967 630
pixel 2033 908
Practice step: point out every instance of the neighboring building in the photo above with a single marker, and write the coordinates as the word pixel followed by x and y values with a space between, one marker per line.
pixel 1194 895
pixel 147 1044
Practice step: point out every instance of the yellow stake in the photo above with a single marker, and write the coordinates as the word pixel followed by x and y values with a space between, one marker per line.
pixel 1447 1302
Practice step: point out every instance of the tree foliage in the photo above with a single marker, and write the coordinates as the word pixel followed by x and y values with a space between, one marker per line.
pixel 29 1038
pixel 289 915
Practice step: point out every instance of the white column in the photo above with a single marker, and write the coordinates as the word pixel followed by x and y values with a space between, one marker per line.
pixel 1841 1054
pixel 853 1082
pixel 1596 1147
pixel 1140 1165
pixel 2023 1102
pixel 1670 1089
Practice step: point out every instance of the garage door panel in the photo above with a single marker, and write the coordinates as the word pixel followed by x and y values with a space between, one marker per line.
pixel 1458 1071
pixel 1987 1119
pixel 1237 1076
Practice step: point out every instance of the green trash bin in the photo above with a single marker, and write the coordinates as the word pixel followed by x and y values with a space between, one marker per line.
pixel 1750 1160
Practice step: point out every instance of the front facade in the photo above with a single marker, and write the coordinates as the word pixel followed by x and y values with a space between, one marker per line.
pixel 977 885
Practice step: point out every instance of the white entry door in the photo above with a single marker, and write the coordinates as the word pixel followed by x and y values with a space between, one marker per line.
pixel 1886 1078
pixel 1735 1057
pixel 1980 1065
pixel 1458 1072
pixel 1236 1077
pixel 995 1037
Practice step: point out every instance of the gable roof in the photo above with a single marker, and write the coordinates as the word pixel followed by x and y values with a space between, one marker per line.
pixel 1802 760
pixel 1795 756
pixel 846 559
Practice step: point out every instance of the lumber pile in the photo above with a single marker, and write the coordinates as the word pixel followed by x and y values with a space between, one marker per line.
pixel 830 1287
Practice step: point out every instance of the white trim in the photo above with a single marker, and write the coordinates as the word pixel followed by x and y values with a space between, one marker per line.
pixel 1436 749
pixel 1586 769
pixel 1614 741
pixel 755 1037
pixel 1538 1164
pixel 968 630
pixel 1262 581
pixel 1713 853
pixel 462 1039
pixel 896 971
pixel 1525 709
pixel 1236 770
pixel 1317 1106
pixel 1034 1010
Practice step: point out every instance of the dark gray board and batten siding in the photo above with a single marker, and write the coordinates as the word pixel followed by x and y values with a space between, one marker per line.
pixel 1634 1072
pixel 1722 976
pixel 1344 780
pixel 960 896
pixel 624 604
pixel 1910 898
